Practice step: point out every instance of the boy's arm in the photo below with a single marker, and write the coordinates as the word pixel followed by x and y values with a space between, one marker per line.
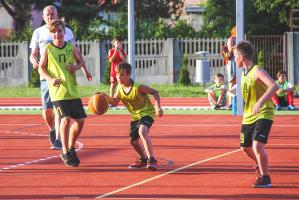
pixel 111 57
pixel 114 101
pixel 34 57
pixel 262 76
pixel 221 96
pixel 147 90
pixel 43 72
pixel 74 67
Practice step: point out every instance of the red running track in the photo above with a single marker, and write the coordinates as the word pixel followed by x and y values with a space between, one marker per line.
pixel 164 101
pixel 199 158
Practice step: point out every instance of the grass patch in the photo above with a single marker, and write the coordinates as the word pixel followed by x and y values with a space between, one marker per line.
pixel 87 91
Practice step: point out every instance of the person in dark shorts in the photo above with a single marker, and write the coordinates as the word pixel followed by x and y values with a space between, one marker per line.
pixel 58 64
pixel 257 89
pixel 135 98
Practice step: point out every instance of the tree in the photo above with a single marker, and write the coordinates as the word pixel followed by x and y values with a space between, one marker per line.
pixel 219 18
pixel 282 7
pixel 184 78
pixel 20 12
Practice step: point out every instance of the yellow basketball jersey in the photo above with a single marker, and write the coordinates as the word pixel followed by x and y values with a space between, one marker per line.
pixel 58 58
pixel 138 104
pixel 252 92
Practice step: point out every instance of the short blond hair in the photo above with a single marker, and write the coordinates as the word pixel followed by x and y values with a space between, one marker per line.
pixel 53 25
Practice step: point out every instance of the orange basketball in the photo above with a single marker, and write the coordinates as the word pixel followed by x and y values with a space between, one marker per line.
pixel 98 104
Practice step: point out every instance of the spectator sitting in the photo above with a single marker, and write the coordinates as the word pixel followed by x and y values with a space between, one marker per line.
pixel 284 96
pixel 217 92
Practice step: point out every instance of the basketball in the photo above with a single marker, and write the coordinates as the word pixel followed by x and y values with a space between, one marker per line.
pixel 98 104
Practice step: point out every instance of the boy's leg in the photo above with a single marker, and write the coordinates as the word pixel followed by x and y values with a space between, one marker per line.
pixel 47 112
pixel 260 137
pixel 246 145
pixel 75 131
pixel 275 100
pixel 57 124
pixel 290 96
pixel 147 143
pixel 212 99
pixel 64 133
pixel 138 147
pixel 262 157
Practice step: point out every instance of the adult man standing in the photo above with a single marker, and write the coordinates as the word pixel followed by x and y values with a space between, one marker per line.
pixel 41 36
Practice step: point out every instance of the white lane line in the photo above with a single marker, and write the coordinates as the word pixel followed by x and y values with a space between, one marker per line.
pixel 165 174
pixel 80 146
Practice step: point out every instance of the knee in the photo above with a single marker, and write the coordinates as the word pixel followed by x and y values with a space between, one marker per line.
pixel 246 149
pixel 65 120
pixel 133 142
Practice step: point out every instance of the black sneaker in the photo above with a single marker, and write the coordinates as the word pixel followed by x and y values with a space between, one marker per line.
pixel 57 145
pixel 52 137
pixel 263 182
pixel 140 163
pixel 152 164
pixel 74 156
pixel 67 159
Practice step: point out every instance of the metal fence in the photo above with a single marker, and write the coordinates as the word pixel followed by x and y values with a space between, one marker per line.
pixel 271 49
pixel 156 61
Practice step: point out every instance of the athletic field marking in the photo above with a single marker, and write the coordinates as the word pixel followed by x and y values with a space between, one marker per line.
pixel 80 146
pixel 165 174
pixel 149 198
pixel 162 125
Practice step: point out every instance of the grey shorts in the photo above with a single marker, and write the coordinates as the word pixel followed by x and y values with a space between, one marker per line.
pixel 45 96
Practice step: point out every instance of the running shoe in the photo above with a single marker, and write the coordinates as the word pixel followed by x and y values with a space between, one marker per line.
pixel 263 182
pixel 74 156
pixel 278 107
pixel 152 164
pixel 57 145
pixel 52 137
pixel 67 159
pixel 140 163
pixel 291 107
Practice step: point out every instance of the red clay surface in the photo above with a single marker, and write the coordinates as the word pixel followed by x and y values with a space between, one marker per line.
pixel 199 158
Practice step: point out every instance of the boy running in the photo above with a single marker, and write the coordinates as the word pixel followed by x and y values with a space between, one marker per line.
pixel 257 89
pixel 136 100
pixel 58 64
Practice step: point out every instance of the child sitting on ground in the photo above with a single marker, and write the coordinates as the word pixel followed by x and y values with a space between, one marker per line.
pixel 284 96
pixel 217 92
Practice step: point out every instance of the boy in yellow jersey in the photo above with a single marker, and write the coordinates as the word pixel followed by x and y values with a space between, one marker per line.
pixel 135 98
pixel 58 64
pixel 257 89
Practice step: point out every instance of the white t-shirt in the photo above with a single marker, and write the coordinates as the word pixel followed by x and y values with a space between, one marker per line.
pixel 42 36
